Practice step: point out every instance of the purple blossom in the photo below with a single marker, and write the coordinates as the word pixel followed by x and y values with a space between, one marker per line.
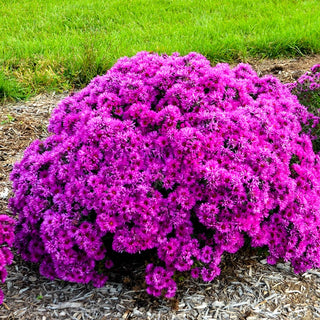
pixel 7 225
pixel 158 150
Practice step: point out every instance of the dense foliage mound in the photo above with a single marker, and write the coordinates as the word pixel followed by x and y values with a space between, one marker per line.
pixel 170 154
pixel 6 241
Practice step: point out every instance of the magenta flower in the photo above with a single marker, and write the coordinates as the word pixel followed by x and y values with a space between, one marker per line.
pixel 157 151
pixel 7 225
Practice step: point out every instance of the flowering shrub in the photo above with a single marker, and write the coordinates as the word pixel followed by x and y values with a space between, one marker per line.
pixel 170 154
pixel 307 89
pixel 6 241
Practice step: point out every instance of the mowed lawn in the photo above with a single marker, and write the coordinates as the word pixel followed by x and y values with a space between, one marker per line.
pixel 59 44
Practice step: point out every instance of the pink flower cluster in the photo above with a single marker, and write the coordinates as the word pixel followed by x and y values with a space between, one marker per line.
pixel 307 89
pixel 310 81
pixel 170 154
pixel 6 241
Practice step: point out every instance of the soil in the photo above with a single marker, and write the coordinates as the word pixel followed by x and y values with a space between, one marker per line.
pixel 287 70
pixel 23 122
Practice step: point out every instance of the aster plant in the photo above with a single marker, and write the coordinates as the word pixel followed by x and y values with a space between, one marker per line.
pixel 170 154
pixel 6 241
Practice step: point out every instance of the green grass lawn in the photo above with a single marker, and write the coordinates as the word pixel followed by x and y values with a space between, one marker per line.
pixel 59 44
